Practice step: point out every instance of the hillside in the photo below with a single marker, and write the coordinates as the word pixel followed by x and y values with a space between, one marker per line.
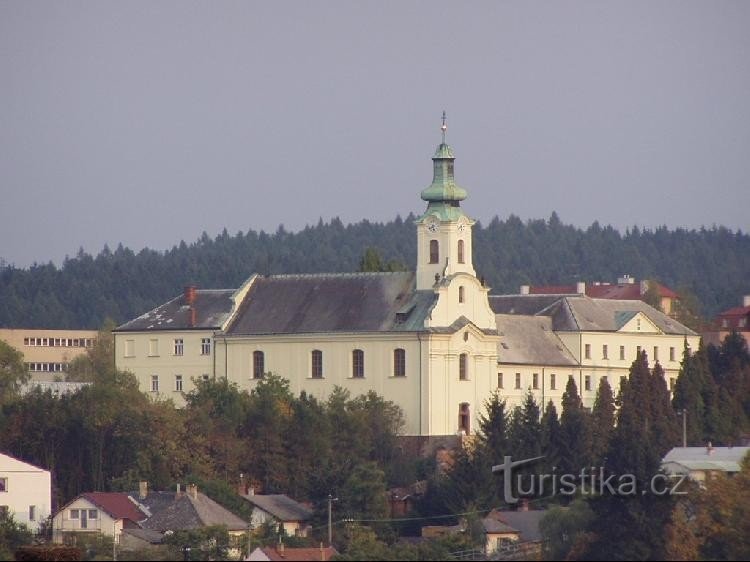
pixel 713 264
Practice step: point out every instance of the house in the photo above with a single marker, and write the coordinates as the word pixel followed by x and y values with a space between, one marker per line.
pixel 434 340
pixel 514 532
pixel 107 513
pixel 403 500
pixel 626 288
pixel 139 518
pixel 25 491
pixel 735 319
pixel 280 552
pixel 291 515
pixel 699 463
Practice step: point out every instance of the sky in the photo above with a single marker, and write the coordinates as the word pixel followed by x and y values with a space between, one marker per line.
pixel 147 123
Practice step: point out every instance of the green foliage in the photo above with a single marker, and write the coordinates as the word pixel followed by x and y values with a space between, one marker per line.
pixel 59 553
pixel 12 535
pixel 561 527
pixel 602 421
pixel 709 263
pixel 575 445
pixel 13 373
pixel 205 543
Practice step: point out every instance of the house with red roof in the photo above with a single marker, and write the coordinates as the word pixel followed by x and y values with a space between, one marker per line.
pixel 735 319
pixel 626 288
pixel 108 513
pixel 280 552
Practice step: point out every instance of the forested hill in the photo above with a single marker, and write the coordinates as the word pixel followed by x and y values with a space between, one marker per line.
pixel 714 264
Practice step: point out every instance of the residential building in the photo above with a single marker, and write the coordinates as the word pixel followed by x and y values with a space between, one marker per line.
pixel 280 553
pixel 514 534
pixel 143 516
pixel 434 341
pixel 626 288
pixel 48 353
pixel 25 491
pixel 700 463
pixel 291 516
pixel 735 319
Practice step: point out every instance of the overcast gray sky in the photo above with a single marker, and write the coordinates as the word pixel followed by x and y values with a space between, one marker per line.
pixel 149 122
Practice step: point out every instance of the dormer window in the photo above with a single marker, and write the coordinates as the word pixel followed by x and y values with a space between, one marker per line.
pixel 434 251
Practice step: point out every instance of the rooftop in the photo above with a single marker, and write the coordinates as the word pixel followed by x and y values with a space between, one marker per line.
pixel 282 507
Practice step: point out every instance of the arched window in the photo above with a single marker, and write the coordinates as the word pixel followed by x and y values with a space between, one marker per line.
pixel 358 363
pixel 259 364
pixel 399 362
pixel 317 364
pixel 461 294
pixel 464 418
pixel 461 251
pixel 434 252
pixel 463 373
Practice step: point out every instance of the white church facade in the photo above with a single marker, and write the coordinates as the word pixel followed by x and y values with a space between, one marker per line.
pixel 434 341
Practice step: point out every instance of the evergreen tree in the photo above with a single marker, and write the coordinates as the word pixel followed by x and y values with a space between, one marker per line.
pixel 603 421
pixel 551 437
pixel 575 432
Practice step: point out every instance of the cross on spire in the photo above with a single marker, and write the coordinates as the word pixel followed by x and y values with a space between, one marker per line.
pixel 443 127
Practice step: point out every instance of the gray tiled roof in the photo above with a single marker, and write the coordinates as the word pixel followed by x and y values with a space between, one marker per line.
pixel 282 507
pixel 526 522
pixel 358 302
pixel 726 459
pixel 582 313
pixel 212 307
pixel 170 513
pixel 530 340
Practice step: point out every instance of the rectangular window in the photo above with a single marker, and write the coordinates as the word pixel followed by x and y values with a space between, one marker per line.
pixel 74 514
pixel 499 380
pixel 434 252
pixel 154 383
pixel 205 346
pixel 93 514
pixel 399 362
pixel 32 513
pixel 553 381
pixel 129 348
pixel 259 364
pixel 358 364
pixel 317 364
pixel 671 354
pixel 25 341
pixel 205 377
pixel 76 343
pixel 153 348
pixel 535 381
pixel 622 353
pixel 637 350
pixel 3 510
pixel 179 346
pixel 587 351
pixel 604 352
pixel 462 368
pixel 587 382
pixel 518 380
pixel 3 484
pixel 178 383
pixel 656 353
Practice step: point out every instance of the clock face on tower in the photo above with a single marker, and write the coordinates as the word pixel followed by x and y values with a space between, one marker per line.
pixel 432 227
pixel 461 227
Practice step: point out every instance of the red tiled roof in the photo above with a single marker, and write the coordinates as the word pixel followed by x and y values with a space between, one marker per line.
pixel 116 504
pixel 625 291
pixel 736 311
pixel 303 554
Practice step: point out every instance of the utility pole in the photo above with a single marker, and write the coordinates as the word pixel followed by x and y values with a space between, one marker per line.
pixel 684 427
pixel 331 499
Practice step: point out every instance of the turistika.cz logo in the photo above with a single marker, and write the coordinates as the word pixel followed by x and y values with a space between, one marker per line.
pixel 592 481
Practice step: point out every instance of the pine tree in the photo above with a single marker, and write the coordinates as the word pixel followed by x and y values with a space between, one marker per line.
pixel 551 436
pixel 575 432
pixel 603 421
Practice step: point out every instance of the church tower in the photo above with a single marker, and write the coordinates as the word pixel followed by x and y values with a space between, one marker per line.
pixel 443 231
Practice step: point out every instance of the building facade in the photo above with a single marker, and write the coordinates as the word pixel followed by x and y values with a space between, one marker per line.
pixel 48 353
pixel 25 491
pixel 434 341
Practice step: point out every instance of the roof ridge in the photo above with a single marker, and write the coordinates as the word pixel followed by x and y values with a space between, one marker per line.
pixel 340 274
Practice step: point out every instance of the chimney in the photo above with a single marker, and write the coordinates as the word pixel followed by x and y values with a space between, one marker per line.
pixel 523 504
pixel 192 490
pixel 242 487
pixel 322 553
pixel 251 491
pixel 189 293
pixel 525 289
pixel 142 489
pixel 177 493
pixel 709 448
pixel 581 288
pixel 746 300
